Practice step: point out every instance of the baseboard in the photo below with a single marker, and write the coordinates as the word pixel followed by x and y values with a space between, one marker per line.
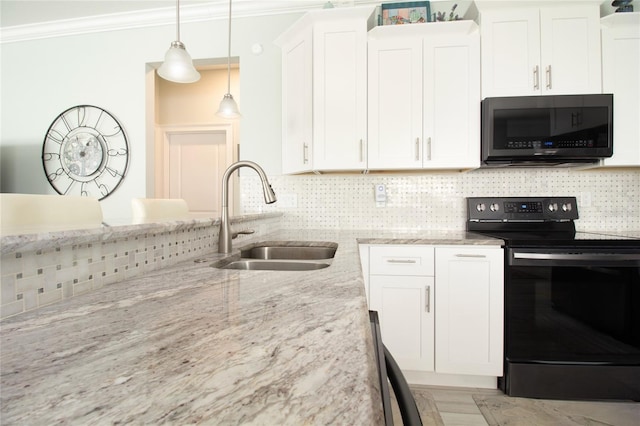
pixel 454 380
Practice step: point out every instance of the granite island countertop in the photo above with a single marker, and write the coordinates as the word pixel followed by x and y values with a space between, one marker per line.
pixel 194 344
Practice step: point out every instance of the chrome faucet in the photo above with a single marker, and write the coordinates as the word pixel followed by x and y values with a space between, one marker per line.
pixel 225 235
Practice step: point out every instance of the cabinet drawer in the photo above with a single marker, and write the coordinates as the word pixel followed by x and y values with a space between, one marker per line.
pixel 401 260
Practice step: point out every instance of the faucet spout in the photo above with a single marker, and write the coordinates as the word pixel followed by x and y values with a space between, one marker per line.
pixel 225 235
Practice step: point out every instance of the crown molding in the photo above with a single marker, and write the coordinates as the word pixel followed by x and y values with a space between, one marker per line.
pixel 162 16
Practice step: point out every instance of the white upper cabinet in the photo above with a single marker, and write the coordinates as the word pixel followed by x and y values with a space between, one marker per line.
pixel 424 96
pixel 547 50
pixel 395 100
pixel 297 98
pixel 621 76
pixel 324 90
pixel 340 95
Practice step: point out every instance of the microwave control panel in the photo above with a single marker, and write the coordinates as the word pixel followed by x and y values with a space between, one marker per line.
pixel 550 144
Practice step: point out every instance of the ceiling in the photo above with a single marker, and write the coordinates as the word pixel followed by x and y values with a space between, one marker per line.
pixel 28 12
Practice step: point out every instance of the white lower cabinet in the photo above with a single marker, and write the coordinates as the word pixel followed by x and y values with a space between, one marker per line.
pixel 469 310
pixel 401 290
pixel 440 307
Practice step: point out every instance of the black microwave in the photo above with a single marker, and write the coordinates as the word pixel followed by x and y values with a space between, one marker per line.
pixel 562 130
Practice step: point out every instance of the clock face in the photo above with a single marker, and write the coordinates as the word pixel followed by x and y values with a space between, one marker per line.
pixel 85 152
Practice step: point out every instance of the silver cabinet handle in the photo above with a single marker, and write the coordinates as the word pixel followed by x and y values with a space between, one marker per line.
pixel 428 148
pixel 480 256
pixel 427 298
pixel 305 149
pixel 536 78
pixel 417 149
pixel 401 261
pixel 361 151
pixel 548 73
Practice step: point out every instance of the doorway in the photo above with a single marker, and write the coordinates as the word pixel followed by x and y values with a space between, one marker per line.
pixel 192 147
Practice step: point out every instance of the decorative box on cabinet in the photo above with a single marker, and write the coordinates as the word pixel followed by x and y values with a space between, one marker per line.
pixel 324 90
pixel 424 96
pixel 529 50
pixel 621 76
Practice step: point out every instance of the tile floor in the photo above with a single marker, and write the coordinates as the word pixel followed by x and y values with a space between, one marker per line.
pixel 457 407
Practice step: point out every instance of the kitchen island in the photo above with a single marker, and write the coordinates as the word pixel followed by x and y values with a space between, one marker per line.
pixel 195 344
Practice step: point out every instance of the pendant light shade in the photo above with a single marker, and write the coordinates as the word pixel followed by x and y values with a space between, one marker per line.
pixel 228 106
pixel 177 65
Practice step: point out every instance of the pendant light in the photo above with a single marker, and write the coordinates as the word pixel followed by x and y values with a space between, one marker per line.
pixel 178 66
pixel 228 106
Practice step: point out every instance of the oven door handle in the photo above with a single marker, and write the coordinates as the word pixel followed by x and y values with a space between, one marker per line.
pixel 577 256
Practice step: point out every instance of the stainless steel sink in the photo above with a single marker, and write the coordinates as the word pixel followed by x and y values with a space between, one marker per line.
pixel 283 256
pixel 275 265
pixel 289 252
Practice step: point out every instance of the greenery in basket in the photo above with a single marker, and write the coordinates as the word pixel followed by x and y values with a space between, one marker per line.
pixel 441 16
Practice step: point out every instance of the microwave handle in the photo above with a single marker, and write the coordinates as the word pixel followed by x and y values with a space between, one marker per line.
pixel 536 78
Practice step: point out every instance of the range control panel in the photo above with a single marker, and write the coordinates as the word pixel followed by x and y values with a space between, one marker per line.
pixel 521 209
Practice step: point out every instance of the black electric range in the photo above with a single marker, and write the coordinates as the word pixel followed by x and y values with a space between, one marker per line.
pixel 572 300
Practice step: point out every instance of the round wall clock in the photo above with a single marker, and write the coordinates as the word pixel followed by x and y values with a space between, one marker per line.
pixel 85 152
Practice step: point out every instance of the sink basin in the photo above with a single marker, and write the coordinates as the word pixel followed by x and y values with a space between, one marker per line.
pixel 289 252
pixel 283 256
pixel 275 265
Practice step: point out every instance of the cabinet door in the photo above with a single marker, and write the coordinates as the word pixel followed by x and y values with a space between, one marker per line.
pixel 510 52
pixel 405 306
pixel 452 101
pixel 297 103
pixel 570 50
pixel 395 103
pixel 469 311
pixel 340 95
pixel 620 71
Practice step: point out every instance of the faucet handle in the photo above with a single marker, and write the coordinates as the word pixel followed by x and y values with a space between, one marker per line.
pixel 246 231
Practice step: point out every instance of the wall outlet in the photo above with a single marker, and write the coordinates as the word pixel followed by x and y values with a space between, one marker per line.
pixel 585 199
pixel 380 194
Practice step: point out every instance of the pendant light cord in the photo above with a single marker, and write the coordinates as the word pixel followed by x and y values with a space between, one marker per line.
pixel 229 53
pixel 177 20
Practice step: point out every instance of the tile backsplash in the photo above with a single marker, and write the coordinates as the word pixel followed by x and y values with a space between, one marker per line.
pixel 608 200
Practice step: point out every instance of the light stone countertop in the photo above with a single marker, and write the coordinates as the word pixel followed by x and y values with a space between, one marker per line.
pixel 194 344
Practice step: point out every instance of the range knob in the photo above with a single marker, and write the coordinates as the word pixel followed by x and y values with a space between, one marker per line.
pixel 494 207
pixel 567 207
pixel 553 207
pixel 480 207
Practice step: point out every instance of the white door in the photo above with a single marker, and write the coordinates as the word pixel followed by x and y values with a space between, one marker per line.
pixel 452 101
pixel 297 98
pixel 340 95
pixel 570 50
pixel 193 162
pixel 395 103
pixel 620 63
pixel 510 52
pixel 469 315
pixel 405 307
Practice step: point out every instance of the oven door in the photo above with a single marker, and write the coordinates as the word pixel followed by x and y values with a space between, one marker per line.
pixel 569 313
